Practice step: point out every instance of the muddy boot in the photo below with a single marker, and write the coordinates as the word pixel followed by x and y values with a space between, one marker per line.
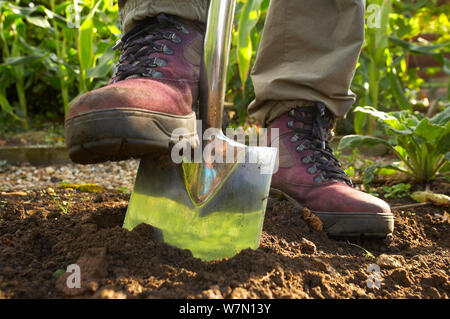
pixel 310 176
pixel 152 92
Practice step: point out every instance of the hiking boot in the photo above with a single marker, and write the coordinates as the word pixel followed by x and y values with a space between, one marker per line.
pixel 152 92
pixel 309 175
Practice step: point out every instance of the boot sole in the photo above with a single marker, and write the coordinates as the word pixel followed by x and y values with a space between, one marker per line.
pixel 120 134
pixel 351 224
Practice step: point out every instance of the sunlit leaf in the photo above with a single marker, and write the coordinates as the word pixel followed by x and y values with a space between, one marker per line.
pixel 39 22
pixel 248 19
pixel 22 60
pixel 354 141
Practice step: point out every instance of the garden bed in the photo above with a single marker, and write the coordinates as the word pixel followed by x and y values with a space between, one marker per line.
pixel 38 241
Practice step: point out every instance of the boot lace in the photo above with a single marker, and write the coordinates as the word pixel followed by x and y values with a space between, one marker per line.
pixel 139 44
pixel 316 125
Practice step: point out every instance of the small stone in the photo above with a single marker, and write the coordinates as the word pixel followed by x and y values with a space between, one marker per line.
pixel 239 293
pixel 110 294
pixel 212 293
pixel 325 267
pixel 55 179
pixel 18 193
pixel 312 220
pixel 307 247
pixel 401 277
pixel 93 267
pixel 92 286
pixel 49 170
pixel 388 240
pixel 390 261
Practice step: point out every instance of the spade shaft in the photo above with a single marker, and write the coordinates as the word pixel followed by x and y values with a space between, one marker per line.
pixel 215 61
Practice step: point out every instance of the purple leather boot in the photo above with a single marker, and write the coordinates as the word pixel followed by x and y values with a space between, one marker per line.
pixel 310 176
pixel 152 92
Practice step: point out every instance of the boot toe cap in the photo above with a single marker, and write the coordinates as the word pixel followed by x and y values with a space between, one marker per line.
pixel 341 198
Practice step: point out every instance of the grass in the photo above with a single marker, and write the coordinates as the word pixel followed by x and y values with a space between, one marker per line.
pixel 64 206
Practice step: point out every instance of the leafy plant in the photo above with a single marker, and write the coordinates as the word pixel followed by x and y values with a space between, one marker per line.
pixel 384 79
pixel 123 190
pixel 353 164
pixel 58 273
pixel 249 23
pixel 12 37
pixel 368 255
pixel 64 206
pixel 396 191
pixel 62 45
pixel 421 144
pixel 54 50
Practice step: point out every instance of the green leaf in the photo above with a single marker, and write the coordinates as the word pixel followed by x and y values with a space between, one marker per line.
pixel 443 142
pixel 441 118
pixel 391 121
pixel 359 122
pixel 21 11
pixel 369 173
pixel 419 49
pixel 432 50
pixel 428 131
pixel 354 141
pixel 86 44
pixel 398 91
pixel 446 68
pixel 387 171
pixel 104 65
pixel 86 40
pixel 22 60
pixel 7 107
pixel 39 22
pixel 248 19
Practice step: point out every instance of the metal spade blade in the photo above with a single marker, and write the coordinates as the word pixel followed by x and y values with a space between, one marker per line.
pixel 215 208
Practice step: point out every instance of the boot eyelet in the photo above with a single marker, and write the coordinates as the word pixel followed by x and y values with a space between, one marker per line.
pixel 152 74
pixel 172 37
pixel 118 45
pixel 306 160
pixel 156 74
pixel 158 62
pixel 312 169
pixel 167 50
pixel 181 28
pixel 318 179
pixel 301 148
pixel 122 58
pixel 290 124
pixel 294 138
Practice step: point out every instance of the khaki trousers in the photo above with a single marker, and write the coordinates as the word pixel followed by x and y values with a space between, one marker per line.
pixel 308 51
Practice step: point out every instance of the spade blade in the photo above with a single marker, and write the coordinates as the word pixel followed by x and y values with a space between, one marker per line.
pixel 215 210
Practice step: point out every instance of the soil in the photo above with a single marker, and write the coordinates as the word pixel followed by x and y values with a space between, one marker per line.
pixel 38 241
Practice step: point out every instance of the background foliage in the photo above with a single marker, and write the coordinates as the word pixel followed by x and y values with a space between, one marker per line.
pixel 54 50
